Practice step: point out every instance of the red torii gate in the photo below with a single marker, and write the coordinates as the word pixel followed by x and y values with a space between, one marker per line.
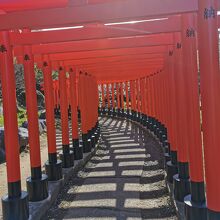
pixel 210 81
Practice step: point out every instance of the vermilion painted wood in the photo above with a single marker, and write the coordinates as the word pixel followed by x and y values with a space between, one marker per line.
pixel 155 50
pixel 87 101
pixel 31 105
pixel 148 100
pixel 103 95
pixel 17 5
pixel 117 92
pixel 192 92
pixel 123 65
pixel 152 95
pixel 181 102
pixel 49 105
pixel 106 12
pixel 142 68
pixel 127 95
pixel 9 110
pixel 73 102
pixel 96 32
pixel 122 95
pixel 172 95
pixel 131 95
pixel 63 105
pixel 158 93
pixel 113 95
pixel 82 103
pixel 100 44
pixel 135 94
pixel 107 93
pixel 138 96
pixel 144 95
pixel 210 90
pixel 164 97
pixel 56 93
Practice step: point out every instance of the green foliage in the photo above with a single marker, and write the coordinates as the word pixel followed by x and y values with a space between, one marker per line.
pixel 38 74
pixel 1 120
pixel 22 116
pixel 55 74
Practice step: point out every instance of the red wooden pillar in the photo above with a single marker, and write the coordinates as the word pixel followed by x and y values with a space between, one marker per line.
pixel 53 166
pixel 122 97
pixel 127 97
pixel 15 198
pixel 103 96
pixel 118 98
pixel 84 109
pixel 78 153
pixel 181 180
pixel 113 98
pixel 132 97
pixel 135 98
pixel 37 183
pixel 67 156
pixel 56 88
pixel 210 89
pixel 148 98
pixel 108 97
pixel 139 98
pixel 195 203
pixel 143 97
pixel 171 166
pixel 152 95
pixel 155 96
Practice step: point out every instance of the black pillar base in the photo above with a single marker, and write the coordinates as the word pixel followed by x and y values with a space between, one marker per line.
pixel 54 170
pixel 128 114
pixel 96 136
pixel 118 112
pixel 171 171
pixel 167 157
pixel 212 215
pixel 37 188
pixel 194 210
pixel 135 116
pixel 98 130
pixel 67 159
pixel 166 149
pixel 181 188
pixel 113 112
pixel 77 149
pixel 93 142
pixel 122 113
pixel 16 207
pixel 109 111
pixel 87 145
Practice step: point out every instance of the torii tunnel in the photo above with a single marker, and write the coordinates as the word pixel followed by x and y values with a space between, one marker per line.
pixel 154 63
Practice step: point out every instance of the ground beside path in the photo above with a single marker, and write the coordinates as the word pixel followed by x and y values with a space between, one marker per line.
pixel 25 162
pixel 124 180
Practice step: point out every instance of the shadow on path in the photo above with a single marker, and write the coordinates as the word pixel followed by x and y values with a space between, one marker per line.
pixel 124 180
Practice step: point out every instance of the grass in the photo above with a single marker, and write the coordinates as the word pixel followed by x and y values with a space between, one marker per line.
pixel 21 115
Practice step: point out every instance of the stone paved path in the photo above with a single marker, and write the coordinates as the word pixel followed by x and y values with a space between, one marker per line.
pixel 123 181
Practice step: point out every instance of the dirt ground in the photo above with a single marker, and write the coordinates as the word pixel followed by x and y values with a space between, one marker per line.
pixel 25 163
pixel 123 181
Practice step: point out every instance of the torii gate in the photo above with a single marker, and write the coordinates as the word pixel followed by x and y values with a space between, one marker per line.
pixel 125 9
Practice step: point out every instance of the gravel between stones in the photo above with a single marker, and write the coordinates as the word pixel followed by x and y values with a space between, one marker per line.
pixel 125 179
